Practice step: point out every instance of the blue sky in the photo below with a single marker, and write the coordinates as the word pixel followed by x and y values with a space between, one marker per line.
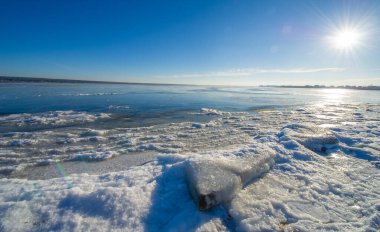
pixel 197 42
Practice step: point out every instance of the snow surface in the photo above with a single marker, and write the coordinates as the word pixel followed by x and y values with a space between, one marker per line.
pixel 325 175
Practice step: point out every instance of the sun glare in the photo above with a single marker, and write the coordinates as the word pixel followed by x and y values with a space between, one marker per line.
pixel 345 39
pixel 333 95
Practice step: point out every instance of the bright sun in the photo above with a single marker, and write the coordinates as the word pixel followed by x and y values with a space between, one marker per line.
pixel 345 39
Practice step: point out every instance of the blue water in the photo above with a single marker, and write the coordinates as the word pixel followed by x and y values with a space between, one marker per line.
pixel 137 100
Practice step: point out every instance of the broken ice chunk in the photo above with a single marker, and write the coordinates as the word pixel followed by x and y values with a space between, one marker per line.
pixel 210 183
pixel 214 181
pixel 208 111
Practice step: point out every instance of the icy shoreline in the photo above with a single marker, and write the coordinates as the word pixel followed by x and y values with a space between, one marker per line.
pixel 326 176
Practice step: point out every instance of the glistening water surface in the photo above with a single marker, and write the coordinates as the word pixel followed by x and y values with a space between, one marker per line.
pixel 152 99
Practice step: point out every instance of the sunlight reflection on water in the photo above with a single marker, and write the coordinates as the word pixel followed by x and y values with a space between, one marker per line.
pixel 334 95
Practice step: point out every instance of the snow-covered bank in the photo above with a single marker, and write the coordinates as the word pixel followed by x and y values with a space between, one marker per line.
pixel 326 176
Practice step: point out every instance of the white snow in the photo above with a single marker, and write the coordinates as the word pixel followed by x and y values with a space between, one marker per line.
pixel 211 111
pixel 94 155
pixel 315 138
pixel 91 94
pixel 268 172
pixel 117 107
pixel 92 132
pixel 51 118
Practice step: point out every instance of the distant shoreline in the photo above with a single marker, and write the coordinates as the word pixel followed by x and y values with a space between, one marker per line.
pixel 10 79
pixel 371 87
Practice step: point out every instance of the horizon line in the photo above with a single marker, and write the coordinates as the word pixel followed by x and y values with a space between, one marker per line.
pixel 28 79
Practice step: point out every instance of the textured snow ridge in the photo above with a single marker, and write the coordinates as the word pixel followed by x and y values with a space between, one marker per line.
pixel 312 137
pixel 20 149
pixel 214 181
pixel 51 118
pixel 305 191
